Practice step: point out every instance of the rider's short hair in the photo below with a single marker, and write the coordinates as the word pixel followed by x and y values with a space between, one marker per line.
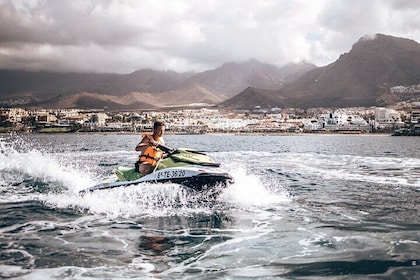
pixel 157 124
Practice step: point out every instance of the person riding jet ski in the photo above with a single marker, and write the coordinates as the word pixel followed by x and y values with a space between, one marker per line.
pixel 160 164
pixel 148 146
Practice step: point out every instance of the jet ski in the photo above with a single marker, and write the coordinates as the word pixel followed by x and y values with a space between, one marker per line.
pixel 190 168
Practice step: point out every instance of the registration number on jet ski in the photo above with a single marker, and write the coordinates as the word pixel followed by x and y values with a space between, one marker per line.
pixel 170 174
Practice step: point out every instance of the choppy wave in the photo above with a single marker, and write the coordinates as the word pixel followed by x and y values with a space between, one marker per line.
pixel 25 170
pixel 289 214
pixel 382 170
pixel 56 179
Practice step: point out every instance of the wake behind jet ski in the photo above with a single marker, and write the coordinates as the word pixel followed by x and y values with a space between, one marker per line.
pixel 193 169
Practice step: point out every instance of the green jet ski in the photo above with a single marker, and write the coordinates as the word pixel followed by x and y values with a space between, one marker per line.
pixel 192 169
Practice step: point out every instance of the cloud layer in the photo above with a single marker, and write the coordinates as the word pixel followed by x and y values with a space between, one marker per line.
pixel 121 36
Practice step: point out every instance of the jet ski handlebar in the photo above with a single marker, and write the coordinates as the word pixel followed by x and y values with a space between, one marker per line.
pixel 171 151
pixel 166 149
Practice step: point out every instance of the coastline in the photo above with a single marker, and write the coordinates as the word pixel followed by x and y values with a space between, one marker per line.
pixel 13 132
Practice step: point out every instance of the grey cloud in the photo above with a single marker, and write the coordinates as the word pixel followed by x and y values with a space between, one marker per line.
pixel 183 35
pixel 406 4
pixel 63 23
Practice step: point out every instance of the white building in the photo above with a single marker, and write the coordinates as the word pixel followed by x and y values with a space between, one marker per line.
pixel 387 116
pixel 415 116
pixel 342 118
pixel 17 114
pixel 339 120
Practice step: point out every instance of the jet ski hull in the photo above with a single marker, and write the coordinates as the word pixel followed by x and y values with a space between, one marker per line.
pixel 193 177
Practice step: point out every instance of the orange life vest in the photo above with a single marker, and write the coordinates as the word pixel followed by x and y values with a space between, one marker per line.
pixel 151 154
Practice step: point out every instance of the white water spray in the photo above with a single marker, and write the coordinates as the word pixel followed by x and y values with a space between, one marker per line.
pixel 249 190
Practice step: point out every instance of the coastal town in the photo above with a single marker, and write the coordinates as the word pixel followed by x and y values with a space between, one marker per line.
pixel 403 118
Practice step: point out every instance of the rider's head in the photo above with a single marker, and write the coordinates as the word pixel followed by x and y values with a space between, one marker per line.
pixel 158 128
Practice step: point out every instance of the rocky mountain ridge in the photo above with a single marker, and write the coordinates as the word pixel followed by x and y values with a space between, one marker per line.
pixel 360 77
pixel 144 88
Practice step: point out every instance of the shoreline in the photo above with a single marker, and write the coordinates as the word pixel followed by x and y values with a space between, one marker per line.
pixel 211 133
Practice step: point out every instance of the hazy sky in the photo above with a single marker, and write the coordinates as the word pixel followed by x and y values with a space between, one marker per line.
pixel 122 36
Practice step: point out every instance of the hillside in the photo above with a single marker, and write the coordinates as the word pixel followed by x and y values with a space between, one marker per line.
pixel 360 77
pixel 144 88
pixel 252 97
pixel 232 78
pixel 46 85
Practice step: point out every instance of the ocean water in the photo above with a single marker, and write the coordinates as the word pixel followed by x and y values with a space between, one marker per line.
pixel 301 207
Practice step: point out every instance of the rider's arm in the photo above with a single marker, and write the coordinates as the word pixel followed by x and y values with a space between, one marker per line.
pixel 143 144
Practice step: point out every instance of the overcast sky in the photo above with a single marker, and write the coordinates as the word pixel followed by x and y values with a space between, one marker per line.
pixel 121 36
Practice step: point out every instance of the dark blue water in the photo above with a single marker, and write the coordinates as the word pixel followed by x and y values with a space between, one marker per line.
pixel 302 207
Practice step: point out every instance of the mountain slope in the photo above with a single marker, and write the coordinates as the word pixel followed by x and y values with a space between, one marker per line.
pixel 133 100
pixel 232 78
pixel 49 84
pixel 252 97
pixel 358 78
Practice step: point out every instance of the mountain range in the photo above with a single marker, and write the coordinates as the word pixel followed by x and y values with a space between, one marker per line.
pixel 357 78
pixel 144 88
